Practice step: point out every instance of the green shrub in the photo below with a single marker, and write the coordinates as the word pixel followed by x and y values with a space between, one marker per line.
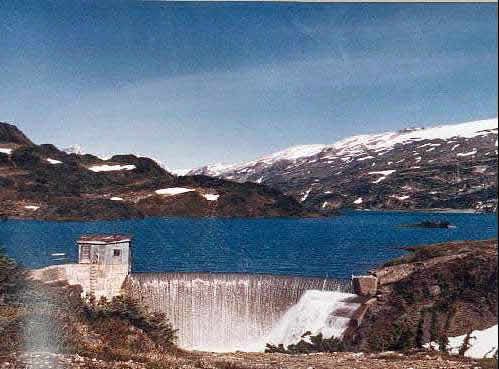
pixel 315 344
pixel 488 363
pixel 12 277
pixel 126 309
pixel 420 332
pixel 403 337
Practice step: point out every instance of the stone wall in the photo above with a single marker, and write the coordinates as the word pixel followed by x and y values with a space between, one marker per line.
pixel 99 280
pixel 74 274
pixel 109 280
pixel 365 285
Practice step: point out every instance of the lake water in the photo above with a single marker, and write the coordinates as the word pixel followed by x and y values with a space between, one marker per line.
pixel 336 247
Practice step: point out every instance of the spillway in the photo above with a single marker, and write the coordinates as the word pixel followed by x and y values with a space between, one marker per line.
pixel 225 312
pixel 325 312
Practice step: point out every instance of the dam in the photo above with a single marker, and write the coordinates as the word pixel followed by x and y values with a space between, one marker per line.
pixel 223 312
pixel 219 312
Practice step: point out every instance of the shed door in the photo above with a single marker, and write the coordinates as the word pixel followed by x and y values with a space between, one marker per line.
pixel 85 254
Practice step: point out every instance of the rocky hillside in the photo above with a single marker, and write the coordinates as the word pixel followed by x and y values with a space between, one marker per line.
pixel 436 292
pixel 43 182
pixel 453 166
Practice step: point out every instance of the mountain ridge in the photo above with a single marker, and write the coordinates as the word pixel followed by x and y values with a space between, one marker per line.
pixel 343 174
pixel 43 182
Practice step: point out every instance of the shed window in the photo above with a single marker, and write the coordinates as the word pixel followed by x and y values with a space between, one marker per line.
pixel 116 252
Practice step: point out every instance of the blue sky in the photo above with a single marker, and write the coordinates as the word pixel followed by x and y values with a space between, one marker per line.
pixel 197 83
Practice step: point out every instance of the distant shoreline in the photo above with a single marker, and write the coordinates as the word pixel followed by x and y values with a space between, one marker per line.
pixel 438 210
pixel 341 212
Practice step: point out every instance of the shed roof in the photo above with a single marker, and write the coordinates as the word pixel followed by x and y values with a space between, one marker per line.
pixel 104 239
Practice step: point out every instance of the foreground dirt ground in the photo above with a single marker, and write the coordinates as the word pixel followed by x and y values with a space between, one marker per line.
pixel 43 360
pixel 345 361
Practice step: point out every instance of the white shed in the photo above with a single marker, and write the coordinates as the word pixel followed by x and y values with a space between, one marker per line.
pixel 105 250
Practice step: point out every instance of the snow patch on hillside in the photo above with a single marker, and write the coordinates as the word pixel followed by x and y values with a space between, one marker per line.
pixel 53 161
pixel 305 195
pixel 358 201
pixel 483 344
pixel 6 151
pixel 467 153
pixel 401 198
pixel 111 168
pixel 32 207
pixel 365 158
pixel 383 173
pixel 172 191
pixel 211 196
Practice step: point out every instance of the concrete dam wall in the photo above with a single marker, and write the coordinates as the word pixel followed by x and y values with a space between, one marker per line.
pixel 231 311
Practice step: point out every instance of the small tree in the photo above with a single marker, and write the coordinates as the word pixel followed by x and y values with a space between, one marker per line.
pixel 466 344
pixel 443 343
pixel 433 326
pixel 420 332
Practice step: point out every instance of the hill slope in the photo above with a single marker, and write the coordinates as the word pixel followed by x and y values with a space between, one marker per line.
pixel 453 166
pixel 436 292
pixel 43 182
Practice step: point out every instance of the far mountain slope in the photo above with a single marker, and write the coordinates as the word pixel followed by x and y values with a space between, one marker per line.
pixel 452 166
pixel 43 182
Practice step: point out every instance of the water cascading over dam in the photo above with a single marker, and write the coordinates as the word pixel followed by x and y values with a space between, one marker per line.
pixel 225 312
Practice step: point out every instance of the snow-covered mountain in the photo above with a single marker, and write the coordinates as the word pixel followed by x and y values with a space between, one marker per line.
pixel 449 166
pixel 74 149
